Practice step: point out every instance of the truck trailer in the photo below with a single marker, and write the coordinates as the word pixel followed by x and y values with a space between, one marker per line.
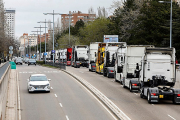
pixel 158 75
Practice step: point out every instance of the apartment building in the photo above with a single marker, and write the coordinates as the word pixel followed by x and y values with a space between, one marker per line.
pixel 74 16
pixel 10 19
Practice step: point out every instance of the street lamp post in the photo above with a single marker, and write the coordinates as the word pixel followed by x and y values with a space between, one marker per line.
pixel 37 41
pixel 170 21
pixel 53 29
pixel 40 40
pixel 45 35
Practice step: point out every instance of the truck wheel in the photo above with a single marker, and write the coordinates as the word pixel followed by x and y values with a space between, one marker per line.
pixel 130 87
pixel 108 75
pixel 149 97
pixel 141 94
pixel 174 101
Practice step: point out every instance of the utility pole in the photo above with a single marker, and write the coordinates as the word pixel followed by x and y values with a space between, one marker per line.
pixel 37 40
pixel 53 30
pixel 45 35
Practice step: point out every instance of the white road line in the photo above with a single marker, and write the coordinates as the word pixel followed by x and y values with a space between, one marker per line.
pixel 171 117
pixel 51 87
pixel 152 104
pixel 55 95
pixel 60 104
pixel 135 93
pixel 20 72
pixel 67 117
pixel 19 98
pixel 97 100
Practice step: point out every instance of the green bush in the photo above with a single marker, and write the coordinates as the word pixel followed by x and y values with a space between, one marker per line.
pixel 40 62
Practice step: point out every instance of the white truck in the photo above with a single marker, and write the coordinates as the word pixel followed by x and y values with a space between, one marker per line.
pixel 109 58
pixel 79 55
pixel 131 68
pixel 93 48
pixel 62 55
pixel 158 75
pixel 119 63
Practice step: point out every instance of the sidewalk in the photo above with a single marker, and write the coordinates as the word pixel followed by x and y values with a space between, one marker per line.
pixel 11 107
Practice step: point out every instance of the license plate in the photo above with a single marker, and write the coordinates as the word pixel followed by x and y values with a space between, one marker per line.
pixel 39 88
pixel 161 96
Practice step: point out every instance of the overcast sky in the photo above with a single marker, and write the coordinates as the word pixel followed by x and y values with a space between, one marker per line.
pixel 29 12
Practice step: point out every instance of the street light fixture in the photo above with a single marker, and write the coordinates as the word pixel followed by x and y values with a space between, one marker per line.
pixel 170 21
pixel 40 40
pixel 53 29
pixel 37 40
pixel 45 35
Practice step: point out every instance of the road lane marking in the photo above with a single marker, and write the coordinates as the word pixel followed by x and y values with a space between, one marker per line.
pixel 60 104
pixel 81 72
pixel 67 117
pixel 96 99
pixel 55 95
pixel 135 93
pixel 152 104
pixel 171 117
pixel 51 87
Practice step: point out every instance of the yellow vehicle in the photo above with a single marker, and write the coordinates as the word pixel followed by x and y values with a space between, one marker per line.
pixel 100 58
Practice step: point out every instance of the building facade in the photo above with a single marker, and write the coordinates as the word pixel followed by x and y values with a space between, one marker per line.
pixel 26 41
pixel 74 16
pixel 10 19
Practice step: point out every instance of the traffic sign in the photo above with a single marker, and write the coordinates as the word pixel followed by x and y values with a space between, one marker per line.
pixel 11 47
pixel 10 52
pixel 53 51
pixel 45 53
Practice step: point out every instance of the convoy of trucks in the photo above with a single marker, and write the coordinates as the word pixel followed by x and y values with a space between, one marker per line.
pixel 143 68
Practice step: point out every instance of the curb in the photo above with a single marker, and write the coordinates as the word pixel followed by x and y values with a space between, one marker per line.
pixel 108 103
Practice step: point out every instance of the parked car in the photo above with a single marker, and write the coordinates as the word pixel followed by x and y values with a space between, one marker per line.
pixel 38 82
pixel 31 62
pixel 26 60
pixel 19 61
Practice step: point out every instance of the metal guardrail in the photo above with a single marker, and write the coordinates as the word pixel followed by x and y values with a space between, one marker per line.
pixel 59 65
pixel 4 92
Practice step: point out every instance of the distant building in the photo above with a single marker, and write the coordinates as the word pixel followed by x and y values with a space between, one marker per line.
pixel 73 17
pixel 26 40
pixel 43 38
pixel 10 19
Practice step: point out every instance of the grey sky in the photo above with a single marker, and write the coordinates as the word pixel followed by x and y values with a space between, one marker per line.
pixel 29 12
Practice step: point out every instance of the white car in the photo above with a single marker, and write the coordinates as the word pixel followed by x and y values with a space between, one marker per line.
pixel 38 82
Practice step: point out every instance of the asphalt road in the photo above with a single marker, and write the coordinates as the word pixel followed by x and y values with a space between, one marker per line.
pixel 130 103
pixel 68 100
pixel 3 69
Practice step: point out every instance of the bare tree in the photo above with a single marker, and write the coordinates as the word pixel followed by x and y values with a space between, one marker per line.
pixel 102 12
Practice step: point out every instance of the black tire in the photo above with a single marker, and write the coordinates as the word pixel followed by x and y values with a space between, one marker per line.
pixel 141 94
pixel 149 97
pixel 130 87
pixel 174 101
pixel 28 64
pixel 108 75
